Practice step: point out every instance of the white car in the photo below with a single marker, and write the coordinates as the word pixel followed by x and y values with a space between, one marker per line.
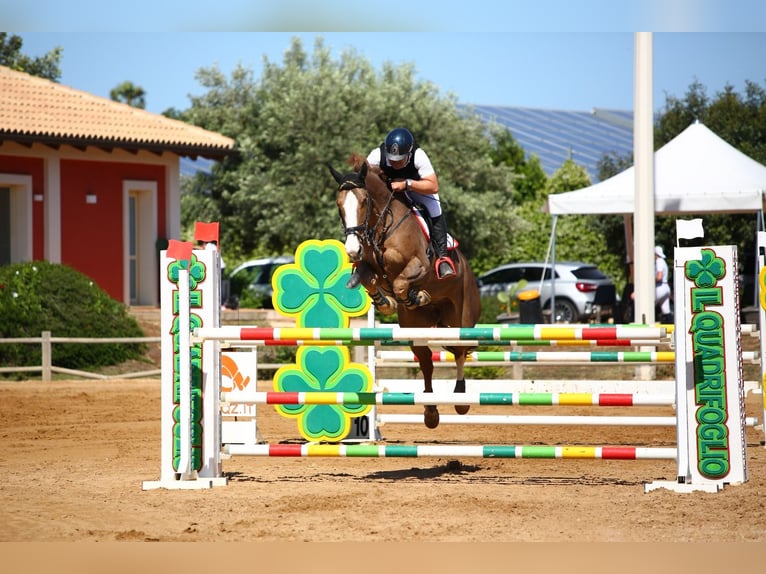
pixel 579 287
pixel 254 276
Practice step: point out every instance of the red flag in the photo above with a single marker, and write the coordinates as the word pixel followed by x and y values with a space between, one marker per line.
pixel 206 232
pixel 180 250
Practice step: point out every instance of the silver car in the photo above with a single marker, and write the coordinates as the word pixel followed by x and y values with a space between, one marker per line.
pixel 254 276
pixel 581 289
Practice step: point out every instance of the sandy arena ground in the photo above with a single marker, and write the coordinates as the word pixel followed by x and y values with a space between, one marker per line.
pixel 75 454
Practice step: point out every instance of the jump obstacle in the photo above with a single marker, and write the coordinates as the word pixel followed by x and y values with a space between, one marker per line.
pixel 710 423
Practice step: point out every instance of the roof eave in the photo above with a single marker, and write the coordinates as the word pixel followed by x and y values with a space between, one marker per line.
pixel 107 144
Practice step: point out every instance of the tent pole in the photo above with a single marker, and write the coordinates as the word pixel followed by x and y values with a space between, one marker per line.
pixel 553 270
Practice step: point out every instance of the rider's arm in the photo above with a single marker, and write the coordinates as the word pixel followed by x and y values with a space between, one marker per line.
pixel 427 185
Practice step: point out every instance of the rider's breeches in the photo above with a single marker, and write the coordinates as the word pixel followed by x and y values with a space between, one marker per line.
pixel 429 201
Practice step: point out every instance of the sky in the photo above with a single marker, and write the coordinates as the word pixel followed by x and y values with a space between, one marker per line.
pixel 549 70
pixel 550 54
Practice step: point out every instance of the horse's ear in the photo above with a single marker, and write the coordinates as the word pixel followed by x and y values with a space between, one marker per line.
pixel 363 171
pixel 335 173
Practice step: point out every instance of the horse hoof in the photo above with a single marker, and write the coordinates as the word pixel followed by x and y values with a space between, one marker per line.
pixel 460 388
pixel 431 417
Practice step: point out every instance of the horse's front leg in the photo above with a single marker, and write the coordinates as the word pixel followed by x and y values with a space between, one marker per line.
pixel 383 303
pixel 430 412
pixel 460 354
pixel 404 293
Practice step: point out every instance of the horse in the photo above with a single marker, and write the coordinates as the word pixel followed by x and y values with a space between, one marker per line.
pixel 393 257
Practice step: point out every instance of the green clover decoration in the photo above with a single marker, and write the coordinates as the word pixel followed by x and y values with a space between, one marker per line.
pixel 323 369
pixel 313 290
pixel 706 271
pixel 196 271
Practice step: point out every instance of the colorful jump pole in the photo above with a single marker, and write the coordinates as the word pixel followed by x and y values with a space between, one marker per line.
pixel 461 451
pixel 487 399
pixel 436 334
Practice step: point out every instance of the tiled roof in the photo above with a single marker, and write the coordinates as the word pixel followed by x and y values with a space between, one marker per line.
pixel 36 110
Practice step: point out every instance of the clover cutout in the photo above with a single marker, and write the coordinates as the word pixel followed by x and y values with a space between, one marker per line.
pixel 196 271
pixel 323 369
pixel 313 289
pixel 706 271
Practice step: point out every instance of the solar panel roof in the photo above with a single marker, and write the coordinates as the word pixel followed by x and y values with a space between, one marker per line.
pixel 551 135
pixel 555 135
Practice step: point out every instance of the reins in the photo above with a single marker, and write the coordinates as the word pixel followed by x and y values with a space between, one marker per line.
pixel 367 234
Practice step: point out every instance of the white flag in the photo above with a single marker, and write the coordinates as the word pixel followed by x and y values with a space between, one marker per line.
pixel 689 228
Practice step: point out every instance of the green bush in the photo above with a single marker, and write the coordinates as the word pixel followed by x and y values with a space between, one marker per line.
pixel 41 296
pixel 491 307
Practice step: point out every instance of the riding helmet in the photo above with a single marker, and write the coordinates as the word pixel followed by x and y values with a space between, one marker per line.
pixel 399 143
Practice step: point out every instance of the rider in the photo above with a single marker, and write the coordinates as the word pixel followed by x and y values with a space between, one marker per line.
pixel 409 170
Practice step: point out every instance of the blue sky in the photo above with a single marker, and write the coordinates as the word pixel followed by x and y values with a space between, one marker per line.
pixel 553 54
pixel 551 70
pixel 361 15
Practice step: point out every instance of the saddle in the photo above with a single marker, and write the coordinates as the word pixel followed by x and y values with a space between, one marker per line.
pixel 421 216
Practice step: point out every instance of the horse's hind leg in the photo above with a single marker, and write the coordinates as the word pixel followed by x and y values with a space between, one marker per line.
pixel 430 412
pixel 460 356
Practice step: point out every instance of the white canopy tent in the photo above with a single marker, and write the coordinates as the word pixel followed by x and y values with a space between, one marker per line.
pixel 695 173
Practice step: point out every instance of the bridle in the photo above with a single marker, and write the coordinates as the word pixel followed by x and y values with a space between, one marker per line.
pixel 373 235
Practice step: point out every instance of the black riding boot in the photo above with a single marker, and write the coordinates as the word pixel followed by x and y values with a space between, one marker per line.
pixel 445 268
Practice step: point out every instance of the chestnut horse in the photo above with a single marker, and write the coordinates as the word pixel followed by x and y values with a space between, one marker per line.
pixel 393 257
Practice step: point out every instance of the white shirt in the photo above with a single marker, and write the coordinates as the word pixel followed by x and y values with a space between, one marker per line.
pixel 661 265
pixel 421 160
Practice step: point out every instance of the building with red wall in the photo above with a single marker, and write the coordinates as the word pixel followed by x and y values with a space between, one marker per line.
pixel 92 183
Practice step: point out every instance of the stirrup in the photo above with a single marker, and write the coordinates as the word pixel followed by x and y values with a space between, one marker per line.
pixel 444 273
pixel 353 281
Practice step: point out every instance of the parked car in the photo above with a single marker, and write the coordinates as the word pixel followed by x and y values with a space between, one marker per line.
pixel 581 289
pixel 251 281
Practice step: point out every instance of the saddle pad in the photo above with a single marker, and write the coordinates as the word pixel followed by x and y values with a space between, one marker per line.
pixel 452 243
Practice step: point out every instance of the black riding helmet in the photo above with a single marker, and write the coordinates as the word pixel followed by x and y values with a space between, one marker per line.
pixel 399 143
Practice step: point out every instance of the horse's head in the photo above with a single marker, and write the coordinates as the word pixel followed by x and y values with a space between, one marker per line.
pixel 353 207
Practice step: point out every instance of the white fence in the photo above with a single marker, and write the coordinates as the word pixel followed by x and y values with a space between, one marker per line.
pixel 47 368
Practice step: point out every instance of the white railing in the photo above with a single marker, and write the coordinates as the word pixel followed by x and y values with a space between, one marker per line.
pixel 47 368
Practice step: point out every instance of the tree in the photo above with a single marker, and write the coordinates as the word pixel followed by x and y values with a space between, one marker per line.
pixel 530 176
pixel 129 93
pixel 611 164
pixel 310 110
pixel 586 238
pixel 46 66
pixel 741 121
pixel 738 119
